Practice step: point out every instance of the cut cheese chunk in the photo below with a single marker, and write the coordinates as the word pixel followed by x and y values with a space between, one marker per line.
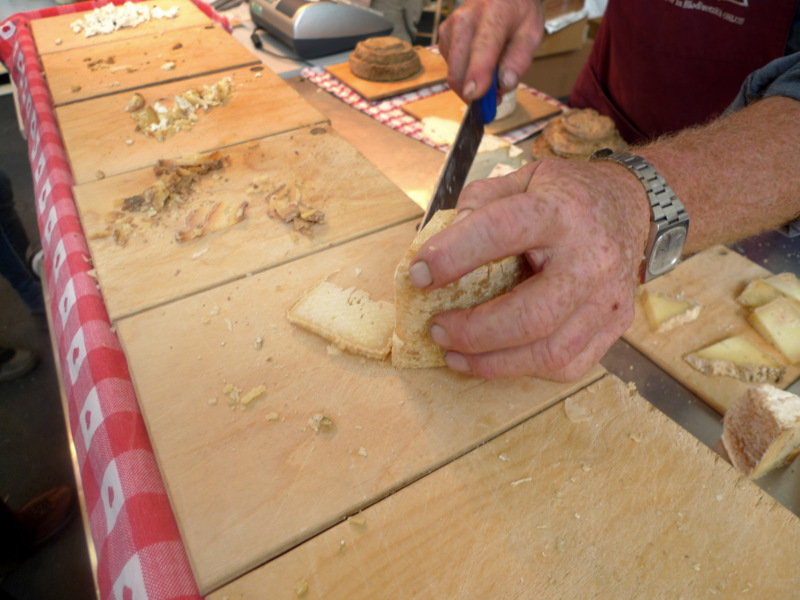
pixel 492 151
pixel 668 312
pixel 412 346
pixel 760 291
pixel 738 357
pixel 347 318
pixel 778 322
pixel 761 430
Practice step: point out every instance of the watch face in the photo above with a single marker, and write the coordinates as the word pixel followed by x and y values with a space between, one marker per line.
pixel 667 251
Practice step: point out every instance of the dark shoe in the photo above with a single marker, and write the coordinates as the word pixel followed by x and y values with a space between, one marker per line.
pixel 16 362
pixel 46 515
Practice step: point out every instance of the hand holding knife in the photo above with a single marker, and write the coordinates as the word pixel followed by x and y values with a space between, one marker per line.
pixel 462 153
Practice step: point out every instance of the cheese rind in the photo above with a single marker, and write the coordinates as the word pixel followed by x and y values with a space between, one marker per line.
pixel 778 322
pixel 668 312
pixel 761 430
pixel 738 357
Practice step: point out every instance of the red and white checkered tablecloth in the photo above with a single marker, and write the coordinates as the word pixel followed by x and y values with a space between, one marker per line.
pixel 140 555
pixel 389 111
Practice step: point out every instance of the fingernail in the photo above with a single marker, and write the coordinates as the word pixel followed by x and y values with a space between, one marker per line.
pixel 509 79
pixel 457 362
pixel 420 274
pixel 461 215
pixel 439 336
pixel 469 90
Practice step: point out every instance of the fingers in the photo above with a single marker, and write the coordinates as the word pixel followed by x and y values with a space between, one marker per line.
pixel 455 36
pixel 519 52
pixel 566 356
pixel 489 232
pixel 482 35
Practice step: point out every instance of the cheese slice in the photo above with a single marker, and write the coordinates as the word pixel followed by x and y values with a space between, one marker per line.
pixel 348 318
pixel 666 312
pixel 492 151
pixel 760 291
pixel 778 322
pixel 738 357
pixel 761 430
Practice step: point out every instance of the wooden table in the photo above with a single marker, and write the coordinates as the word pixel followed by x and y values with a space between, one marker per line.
pixel 430 484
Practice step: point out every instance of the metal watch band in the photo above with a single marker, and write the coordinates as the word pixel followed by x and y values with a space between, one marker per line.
pixel 666 210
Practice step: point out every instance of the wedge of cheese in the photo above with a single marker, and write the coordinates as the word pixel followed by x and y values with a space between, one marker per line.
pixel 761 430
pixel 347 318
pixel 760 291
pixel 738 357
pixel 412 346
pixel 492 151
pixel 666 312
pixel 778 322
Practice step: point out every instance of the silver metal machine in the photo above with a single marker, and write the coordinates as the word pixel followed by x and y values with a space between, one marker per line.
pixel 318 28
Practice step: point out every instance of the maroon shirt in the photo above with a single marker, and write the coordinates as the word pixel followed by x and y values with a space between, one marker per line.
pixel 658 66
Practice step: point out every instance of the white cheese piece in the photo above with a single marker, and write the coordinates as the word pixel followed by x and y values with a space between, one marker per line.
pixel 761 430
pixel 668 312
pixel 347 318
pixel 738 357
pixel 492 151
pixel 778 322
pixel 760 291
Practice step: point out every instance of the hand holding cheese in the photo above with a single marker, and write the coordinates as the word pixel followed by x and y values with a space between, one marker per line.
pixel 582 236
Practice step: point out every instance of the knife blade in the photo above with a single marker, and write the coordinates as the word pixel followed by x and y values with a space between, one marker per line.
pixel 462 153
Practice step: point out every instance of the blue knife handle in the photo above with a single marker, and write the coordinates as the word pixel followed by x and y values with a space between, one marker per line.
pixel 489 102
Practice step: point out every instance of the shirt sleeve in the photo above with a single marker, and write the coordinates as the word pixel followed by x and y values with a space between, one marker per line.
pixel 781 77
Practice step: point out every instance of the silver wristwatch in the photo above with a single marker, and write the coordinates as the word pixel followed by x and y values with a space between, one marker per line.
pixel 669 221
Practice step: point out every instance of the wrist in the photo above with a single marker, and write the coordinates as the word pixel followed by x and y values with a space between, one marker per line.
pixel 669 221
pixel 623 189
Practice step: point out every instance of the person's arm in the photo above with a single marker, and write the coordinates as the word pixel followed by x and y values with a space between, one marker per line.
pixel 482 35
pixel 583 228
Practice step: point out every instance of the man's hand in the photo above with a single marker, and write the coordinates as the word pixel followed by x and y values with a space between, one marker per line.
pixel 582 227
pixel 483 34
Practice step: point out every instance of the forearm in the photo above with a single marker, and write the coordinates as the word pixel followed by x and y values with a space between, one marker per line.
pixel 738 176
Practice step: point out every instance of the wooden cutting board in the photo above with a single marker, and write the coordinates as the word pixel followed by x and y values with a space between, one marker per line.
pixel 152 267
pixel 101 141
pixel 434 70
pixel 124 65
pixel 624 505
pixel 448 105
pixel 54 34
pixel 714 278
pixel 248 485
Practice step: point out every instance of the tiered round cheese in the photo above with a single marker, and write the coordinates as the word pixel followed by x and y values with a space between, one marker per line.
pixel 384 59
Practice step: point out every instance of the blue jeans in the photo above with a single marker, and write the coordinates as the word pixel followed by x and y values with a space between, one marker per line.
pixel 13 246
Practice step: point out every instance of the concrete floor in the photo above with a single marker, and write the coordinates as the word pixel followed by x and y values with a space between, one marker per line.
pixel 34 451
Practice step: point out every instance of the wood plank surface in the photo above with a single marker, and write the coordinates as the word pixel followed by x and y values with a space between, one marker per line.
pixel 713 278
pixel 97 132
pixel 448 105
pixel 434 70
pixel 411 165
pixel 624 505
pixel 54 34
pixel 248 485
pixel 124 65
pixel 152 267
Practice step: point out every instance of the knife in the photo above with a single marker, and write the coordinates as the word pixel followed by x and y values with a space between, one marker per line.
pixel 462 152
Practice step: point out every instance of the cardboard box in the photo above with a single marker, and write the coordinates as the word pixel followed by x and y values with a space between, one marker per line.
pixel 555 8
pixel 572 37
pixel 556 74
